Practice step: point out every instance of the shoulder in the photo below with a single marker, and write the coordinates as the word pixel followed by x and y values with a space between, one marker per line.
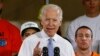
pixel 9 27
pixel 95 54
pixel 32 38
pixel 4 21
pixel 64 41
pixel 78 19
pixel 75 23
pixel 8 24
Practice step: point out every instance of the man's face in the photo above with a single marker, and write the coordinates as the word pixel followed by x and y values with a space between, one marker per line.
pixel 50 22
pixel 83 38
pixel 91 5
pixel 29 32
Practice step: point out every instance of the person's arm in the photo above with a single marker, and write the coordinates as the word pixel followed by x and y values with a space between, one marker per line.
pixel 71 51
pixel 25 49
pixel 70 34
pixel 15 38
pixel 16 41
pixel 28 46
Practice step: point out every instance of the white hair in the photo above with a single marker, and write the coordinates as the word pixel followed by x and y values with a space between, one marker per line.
pixel 52 6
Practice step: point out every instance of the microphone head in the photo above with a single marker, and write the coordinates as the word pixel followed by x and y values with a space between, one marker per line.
pixel 45 50
pixel 56 50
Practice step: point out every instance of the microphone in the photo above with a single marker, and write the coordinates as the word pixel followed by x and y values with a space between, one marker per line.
pixel 45 51
pixel 56 51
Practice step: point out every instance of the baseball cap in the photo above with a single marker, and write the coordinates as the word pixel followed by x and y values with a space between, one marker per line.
pixel 29 24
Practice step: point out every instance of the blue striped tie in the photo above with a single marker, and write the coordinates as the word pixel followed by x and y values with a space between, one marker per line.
pixel 50 47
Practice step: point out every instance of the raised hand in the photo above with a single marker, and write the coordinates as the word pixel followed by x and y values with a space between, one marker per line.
pixel 37 50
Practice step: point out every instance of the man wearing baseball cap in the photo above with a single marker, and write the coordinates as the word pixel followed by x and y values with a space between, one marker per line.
pixel 29 28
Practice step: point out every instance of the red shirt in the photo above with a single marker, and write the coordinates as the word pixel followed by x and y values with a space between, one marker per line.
pixel 11 36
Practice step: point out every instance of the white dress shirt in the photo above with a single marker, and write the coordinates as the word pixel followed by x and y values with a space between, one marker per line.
pixel 30 42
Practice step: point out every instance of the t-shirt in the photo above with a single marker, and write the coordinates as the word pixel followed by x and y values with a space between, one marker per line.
pixel 10 39
pixel 93 54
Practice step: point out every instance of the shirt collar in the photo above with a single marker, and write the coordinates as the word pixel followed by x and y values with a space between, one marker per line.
pixel 44 35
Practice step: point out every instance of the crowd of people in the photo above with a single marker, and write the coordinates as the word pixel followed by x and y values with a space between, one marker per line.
pixel 83 38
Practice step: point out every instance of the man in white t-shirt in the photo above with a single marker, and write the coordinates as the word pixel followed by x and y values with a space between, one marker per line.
pixel 90 19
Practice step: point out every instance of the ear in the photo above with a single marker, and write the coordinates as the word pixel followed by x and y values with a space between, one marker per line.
pixel 41 22
pixel 60 23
